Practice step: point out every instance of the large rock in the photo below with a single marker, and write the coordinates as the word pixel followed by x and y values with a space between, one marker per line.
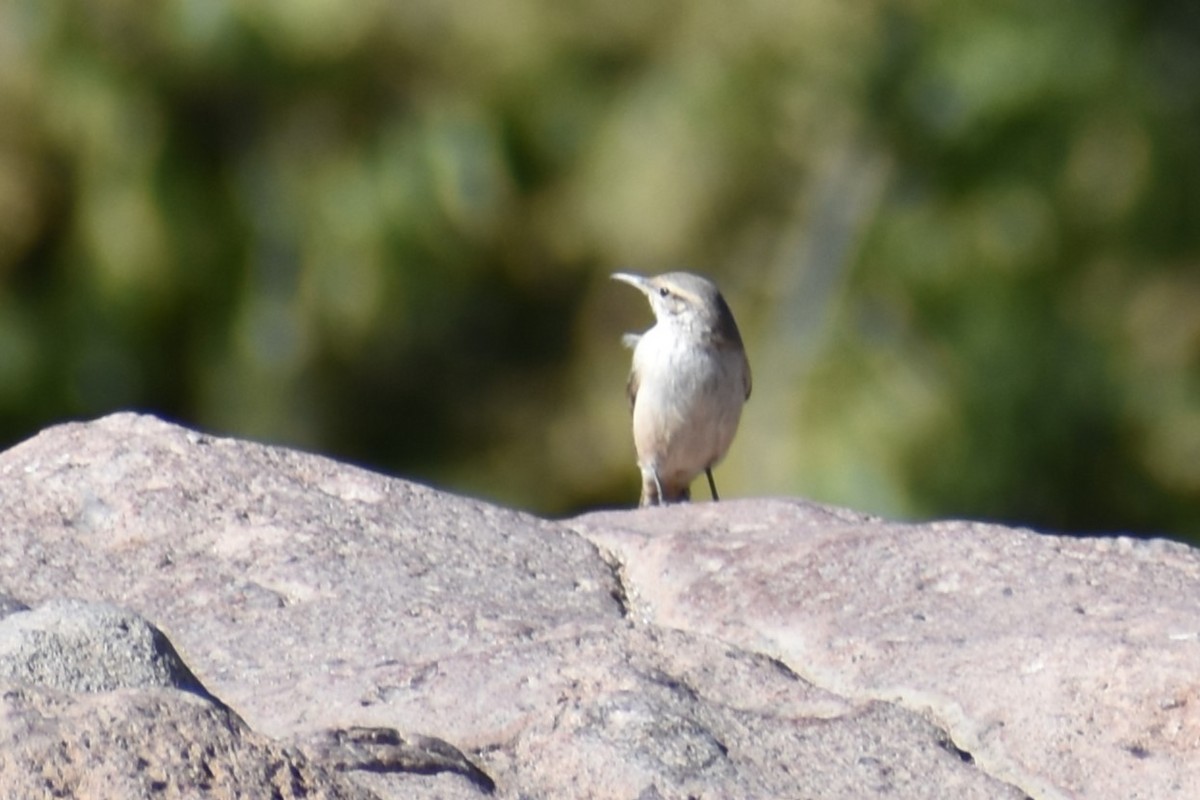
pixel 377 635
pixel 96 703
pixel 152 743
pixel 1066 667
pixel 89 647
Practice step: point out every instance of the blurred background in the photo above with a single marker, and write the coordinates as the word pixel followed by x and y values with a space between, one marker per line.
pixel 962 240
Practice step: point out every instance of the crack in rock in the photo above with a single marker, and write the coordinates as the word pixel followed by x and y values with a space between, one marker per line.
pixel 387 750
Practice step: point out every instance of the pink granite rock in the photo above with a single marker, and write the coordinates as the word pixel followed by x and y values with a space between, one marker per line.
pixel 1066 667
pixel 389 638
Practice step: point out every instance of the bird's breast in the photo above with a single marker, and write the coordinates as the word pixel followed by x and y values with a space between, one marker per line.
pixel 689 398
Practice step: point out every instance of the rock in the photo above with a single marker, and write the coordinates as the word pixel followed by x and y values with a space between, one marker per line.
pixel 670 714
pixel 386 750
pixel 1064 666
pixel 89 647
pixel 10 605
pixel 95 702
pixel 381 636
pixel 148 743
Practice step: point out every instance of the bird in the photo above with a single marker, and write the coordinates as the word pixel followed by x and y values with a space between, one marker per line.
pixel 689 381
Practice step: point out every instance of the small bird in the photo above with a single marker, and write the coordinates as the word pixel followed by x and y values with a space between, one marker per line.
pixel 689 380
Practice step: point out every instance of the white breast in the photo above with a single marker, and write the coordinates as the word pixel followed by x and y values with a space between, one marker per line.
pixel 688 404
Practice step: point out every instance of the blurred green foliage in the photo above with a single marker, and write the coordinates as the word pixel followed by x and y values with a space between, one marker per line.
pixel 961 239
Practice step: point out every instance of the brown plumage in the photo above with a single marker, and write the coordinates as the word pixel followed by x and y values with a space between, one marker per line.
pixel 689 380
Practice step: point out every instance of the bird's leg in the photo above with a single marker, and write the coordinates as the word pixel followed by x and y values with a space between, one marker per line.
pixel 652 490
pixel 712 485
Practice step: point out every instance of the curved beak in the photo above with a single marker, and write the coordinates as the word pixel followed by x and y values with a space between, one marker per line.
pixel 633 279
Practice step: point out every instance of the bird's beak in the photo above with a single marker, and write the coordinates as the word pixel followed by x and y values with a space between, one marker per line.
pixel 636 281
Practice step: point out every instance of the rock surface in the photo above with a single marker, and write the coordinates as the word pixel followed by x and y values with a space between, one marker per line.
pixel 380 638
pixel 1066 667
pixel 89 647
pixel 96 703
pixel 148 743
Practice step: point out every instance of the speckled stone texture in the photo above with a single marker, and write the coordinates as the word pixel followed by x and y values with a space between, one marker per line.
pixel 362 635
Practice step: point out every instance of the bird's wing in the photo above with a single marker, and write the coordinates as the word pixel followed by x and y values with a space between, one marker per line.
pixel 631 340
pixel 749 381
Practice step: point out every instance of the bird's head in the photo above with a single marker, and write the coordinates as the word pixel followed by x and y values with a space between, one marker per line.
pixel 687 301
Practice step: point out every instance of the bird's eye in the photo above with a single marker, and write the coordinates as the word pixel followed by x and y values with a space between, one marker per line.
pixel 664 291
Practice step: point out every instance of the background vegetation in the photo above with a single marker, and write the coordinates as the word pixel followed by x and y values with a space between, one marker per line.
pixel 961 239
